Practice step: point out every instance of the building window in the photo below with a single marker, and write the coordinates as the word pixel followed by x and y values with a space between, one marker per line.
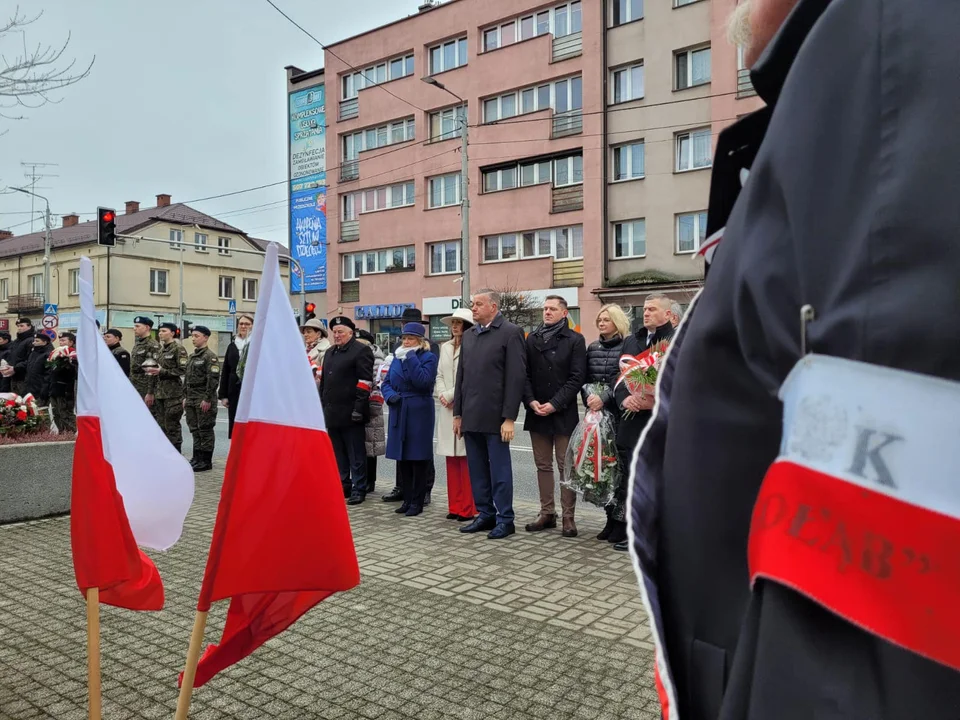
pixel 226 287
pixel 35 284
pixel 625 11
pixel 692 68
pixel 628 161
pixel 630 239
pixel 200 242
pixel 741 55
pixel 376 137
pixel 691 232
pixel 4 289
pixel 561 171
pixel 445 190
pixel 446 124
pixel 223 245
pixel 176 238
pixel 500 247
pixel 250 289
pixel 565 243
pixel 568 243
pixel 560 96
pixel 535 173
pixel 379 198
pixel 352 266
pixel 626 84
pixel 351 203
pixel 378 261
pixel 73 282
pixel 158 282
pixel 502 179
pixel 444 257
pixel 568 171
pixel 694 150
pixel 449 55
pixel 353 83
pixel 561 20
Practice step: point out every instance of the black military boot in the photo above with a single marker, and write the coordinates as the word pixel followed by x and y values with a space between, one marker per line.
pixel 205 462
pixel 194 460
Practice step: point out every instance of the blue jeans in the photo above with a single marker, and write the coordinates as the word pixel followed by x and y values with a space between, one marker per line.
pixel 491 475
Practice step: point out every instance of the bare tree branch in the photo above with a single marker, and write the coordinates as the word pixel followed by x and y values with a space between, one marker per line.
pixel 518 307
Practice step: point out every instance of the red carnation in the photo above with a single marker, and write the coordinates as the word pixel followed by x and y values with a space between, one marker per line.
pixel 22 415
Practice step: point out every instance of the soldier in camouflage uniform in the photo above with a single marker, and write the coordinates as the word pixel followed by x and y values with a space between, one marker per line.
pixel 168 396
pixel 145 349
pixel 200 387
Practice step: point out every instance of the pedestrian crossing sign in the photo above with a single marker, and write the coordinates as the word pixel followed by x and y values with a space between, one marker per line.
pixel 232 307
pixel 49 309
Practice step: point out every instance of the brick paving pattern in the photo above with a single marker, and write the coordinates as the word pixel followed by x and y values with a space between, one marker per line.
pixel 443 625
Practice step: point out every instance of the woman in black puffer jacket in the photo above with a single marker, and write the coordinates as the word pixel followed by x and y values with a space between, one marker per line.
pixel 603 367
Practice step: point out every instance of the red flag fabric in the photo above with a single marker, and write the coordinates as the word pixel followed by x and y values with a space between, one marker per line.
pixel 282 541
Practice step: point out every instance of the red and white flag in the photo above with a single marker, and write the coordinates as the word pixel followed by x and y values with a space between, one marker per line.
pixel 130 486
pixel 861 511
pixel 282 541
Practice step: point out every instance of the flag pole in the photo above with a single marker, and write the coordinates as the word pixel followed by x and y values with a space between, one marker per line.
pixel 190 671
pixel 93 652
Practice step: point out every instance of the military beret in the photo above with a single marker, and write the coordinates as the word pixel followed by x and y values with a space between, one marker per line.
pixel 366 335
pixel 4 335
pixel 144 320
pixel 24 321
pixel 116 333
pixel 202 329
pixel 342 320
pixel 172 327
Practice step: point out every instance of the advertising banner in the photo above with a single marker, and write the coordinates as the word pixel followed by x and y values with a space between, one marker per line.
pixel 308 192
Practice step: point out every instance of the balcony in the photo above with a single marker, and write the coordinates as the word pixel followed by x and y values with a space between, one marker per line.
pixel 349 109
pixel 744 84
pixel 349 170
pixel 566 199
pixel 349 230
pixel 568 123
pixel 350 291
pixel 567 46
pixel 568 273
pixel 30 302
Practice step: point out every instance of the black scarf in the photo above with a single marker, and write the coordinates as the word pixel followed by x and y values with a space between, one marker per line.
pixel 546 332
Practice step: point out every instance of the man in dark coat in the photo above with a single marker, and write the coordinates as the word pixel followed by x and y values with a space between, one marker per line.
pixel 4 358
pixel 37 375
pixel 112 338
pixel 489 389
pixel 345 384
pixel 20 350
pixel 848 208
pixel 556 368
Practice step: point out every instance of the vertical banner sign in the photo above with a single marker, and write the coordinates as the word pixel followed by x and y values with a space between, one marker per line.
pixel 308 188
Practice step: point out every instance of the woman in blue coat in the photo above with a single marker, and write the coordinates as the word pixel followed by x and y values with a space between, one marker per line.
pixel 408 391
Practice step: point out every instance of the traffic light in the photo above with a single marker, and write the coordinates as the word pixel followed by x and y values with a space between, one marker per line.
pixel 186 329
pixel 309 311
pixel 106 227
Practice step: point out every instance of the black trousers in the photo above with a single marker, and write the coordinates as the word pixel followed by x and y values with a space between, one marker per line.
pixel 413 480
pixel 431 475
pixel 351 452
pixel 371 473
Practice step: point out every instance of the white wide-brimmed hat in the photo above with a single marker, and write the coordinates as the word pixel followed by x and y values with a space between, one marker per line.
pixel 461 314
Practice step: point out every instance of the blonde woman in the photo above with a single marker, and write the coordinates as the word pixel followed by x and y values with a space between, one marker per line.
pixel 603 367
pixel 459 494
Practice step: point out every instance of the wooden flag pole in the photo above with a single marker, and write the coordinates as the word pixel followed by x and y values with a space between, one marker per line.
pixel 93 652
pixel 190 671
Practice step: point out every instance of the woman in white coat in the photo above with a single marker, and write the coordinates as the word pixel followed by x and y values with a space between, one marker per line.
pixel 459 494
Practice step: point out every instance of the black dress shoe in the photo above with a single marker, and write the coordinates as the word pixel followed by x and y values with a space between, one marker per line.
pixel 622 546
pixel 414 510
pixel 501 531
pixel 402 509
pixel 356 499
pixel 453 516
pixel 481 524
pixel 618 533
pixel 395 495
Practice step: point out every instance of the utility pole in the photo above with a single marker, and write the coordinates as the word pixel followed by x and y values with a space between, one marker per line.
pixel 33 176
pixel 46 243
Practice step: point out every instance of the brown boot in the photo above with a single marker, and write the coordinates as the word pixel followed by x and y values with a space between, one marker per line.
pixel 569 527
pixel 543 522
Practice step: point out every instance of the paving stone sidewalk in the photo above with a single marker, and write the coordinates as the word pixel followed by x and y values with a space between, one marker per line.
pixel 443 625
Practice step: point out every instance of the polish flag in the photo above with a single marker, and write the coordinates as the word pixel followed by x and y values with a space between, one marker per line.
pixel 282 541
pixel 130 486
pixel 861 511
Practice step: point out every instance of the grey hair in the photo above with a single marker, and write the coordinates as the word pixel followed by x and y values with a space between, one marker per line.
pixel 490 293
pixel 677 311
pixel 738 25
pixel 664 301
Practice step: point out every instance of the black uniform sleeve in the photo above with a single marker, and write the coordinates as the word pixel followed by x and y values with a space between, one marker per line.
pixel 124 359
pixel 364 371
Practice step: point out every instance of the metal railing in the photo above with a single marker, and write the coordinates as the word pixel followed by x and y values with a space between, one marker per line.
pixel 349 170
pixel 349 109
pixel 568 123
pixel 26 302
pixel 567 46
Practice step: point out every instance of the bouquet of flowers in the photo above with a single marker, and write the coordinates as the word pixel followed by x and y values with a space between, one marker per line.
pixel 19 415
pixel 640 373
pixel 62 358
pixel 592 467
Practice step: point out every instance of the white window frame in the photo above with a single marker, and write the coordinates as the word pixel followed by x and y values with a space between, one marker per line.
pixel 155 276
pixel 444 200
pixel 350 206
pixel 688 80
pixel 4 289
pixel 382 197
pixel 461 55
pixel 632 11
pixel 443 250
pixel 223 245
pixel 627 230
pixel 222 286
pixel 691 137
pixel 547 244
pixel 438 117
pixel 699 231
pixel 741 57
pixel 352 83
pixel 493 180
pixel 542 172
pixel 537 91
pixel 198 244
pixel 73 281
pixel 382 261
pixel 629 82
pixel 35 283
pixel 628 152
pixel 176 238
pixel 350 260
pixel 517 241
pixel 249 284
pixel 497 36
pixel 571 167
pixel 352 144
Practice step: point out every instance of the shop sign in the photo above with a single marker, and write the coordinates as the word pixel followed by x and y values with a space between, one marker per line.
pixel 381 312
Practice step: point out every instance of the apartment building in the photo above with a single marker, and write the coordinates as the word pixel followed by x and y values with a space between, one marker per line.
pixel 138 277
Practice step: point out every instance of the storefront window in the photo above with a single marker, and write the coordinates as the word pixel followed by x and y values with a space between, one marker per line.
pixel 438 331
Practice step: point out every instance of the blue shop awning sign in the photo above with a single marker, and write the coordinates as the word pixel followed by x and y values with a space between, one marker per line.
pixel 380 312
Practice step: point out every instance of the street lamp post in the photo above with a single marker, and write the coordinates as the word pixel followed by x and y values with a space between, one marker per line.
pixel 46 243
pixel 464 194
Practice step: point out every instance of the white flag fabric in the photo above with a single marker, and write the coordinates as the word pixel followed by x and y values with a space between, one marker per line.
pixel 154 480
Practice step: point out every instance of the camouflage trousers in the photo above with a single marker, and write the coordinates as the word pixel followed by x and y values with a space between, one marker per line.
pixel 202 425
pixel 64 413
pixel 168 413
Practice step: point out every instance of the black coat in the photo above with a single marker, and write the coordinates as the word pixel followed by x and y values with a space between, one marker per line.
pixel 122 357
pixel 490 377
pixel 630 428
pixel 229 389
pixel 822 220
pixel 20 349
pixel 345 384
pixel 5 355
pixel 63 380
pixel 603 367
pixel 37 376
pixel 555 373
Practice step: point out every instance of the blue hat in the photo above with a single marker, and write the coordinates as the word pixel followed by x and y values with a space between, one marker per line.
pixel 412 328
pixel 143 320
pixel 202 329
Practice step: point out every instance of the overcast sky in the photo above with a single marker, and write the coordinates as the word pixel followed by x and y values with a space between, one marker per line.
pixel 186 97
